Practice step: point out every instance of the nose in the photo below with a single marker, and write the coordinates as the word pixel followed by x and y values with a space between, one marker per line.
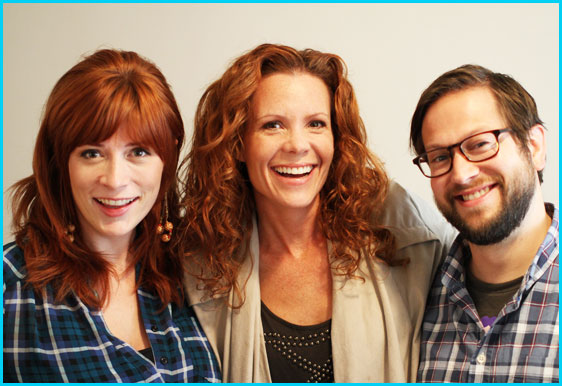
pixel 297 141
pixel 463 170
pixel 115 173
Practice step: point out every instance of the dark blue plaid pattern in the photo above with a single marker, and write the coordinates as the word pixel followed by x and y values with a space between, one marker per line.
pixel 521 345
pixel 49 342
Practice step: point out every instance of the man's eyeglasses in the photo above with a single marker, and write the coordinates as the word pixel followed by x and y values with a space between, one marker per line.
pixel 476 148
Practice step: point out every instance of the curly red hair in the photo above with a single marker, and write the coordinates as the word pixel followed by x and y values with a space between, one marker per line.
pixel 107 90
pixel 219 201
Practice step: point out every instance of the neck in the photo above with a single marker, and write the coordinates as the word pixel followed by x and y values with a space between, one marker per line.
pixel 511 258
pixel 114 250
pixel 289 231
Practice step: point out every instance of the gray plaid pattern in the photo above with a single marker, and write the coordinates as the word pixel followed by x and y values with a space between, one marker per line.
pixel 522 344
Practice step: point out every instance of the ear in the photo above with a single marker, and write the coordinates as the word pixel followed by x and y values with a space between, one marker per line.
pixel 537 146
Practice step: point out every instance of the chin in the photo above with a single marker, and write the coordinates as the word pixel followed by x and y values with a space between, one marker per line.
pixel 300 204
pixel 118 231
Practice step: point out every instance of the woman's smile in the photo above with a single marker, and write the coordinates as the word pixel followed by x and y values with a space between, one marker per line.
pixel 114 185
pixel 289 144
pixel 115 207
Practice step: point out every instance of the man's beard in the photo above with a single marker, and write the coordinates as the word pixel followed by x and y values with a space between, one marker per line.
pixel 515 205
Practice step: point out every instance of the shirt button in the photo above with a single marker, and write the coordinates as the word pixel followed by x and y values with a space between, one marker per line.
pixel 164 360
pixel 154 328
pixel 481 358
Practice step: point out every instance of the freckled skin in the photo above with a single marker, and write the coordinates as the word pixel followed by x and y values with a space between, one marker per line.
pixel 114 169
pixel 290 127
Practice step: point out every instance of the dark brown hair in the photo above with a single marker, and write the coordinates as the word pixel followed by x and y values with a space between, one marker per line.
pixel 219 201
pixel 516 105
pixel 106 91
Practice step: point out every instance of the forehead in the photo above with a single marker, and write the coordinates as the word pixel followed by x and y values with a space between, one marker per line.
pixel 291 90
pixel 459 114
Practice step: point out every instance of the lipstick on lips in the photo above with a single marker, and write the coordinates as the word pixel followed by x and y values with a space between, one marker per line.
pixel 115 207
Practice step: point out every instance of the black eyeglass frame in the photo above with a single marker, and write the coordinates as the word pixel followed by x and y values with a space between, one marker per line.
pixel 417 161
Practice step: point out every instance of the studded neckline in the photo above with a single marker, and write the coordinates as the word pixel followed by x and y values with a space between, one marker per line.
pixel 297 353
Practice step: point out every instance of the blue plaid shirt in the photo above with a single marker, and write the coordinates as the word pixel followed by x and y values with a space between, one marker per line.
pixel 522 343
pixel 49 342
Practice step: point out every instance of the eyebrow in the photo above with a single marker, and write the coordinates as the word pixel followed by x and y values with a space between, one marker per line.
pixel 433 148
pixel 99 144
pixel 89 144
pixel 472 133
pixel 279 116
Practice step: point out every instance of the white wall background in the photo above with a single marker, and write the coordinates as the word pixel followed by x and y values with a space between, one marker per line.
pixel 393 51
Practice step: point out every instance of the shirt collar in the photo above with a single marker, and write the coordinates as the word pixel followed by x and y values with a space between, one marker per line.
pixel 547 252
pixel 453 267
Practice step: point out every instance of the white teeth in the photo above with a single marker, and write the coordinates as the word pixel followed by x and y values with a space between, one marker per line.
pixel 109 202
pixel 475 195
pixel 294 171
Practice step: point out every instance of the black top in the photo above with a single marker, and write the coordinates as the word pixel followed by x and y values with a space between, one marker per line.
pixel 297 353
pixel 147 353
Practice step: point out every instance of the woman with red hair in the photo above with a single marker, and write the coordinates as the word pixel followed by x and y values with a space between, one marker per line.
pixel 311 265
pixel 92 290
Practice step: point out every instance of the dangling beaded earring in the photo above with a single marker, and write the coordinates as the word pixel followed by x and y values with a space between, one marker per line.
pixel 69 233
pixel 166 229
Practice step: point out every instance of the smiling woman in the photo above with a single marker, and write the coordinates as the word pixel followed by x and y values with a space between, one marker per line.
pixel 92 289
pixel 299 242
pixel 114 185
pixel 288 147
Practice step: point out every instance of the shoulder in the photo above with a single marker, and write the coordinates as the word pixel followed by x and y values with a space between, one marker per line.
pixel 14 264
pixel 414 220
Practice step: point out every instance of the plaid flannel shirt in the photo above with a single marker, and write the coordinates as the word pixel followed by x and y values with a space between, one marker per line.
pixel 49 342
pixel 522 343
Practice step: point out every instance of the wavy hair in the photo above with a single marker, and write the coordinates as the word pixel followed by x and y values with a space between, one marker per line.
pixel 106 91
pixel 219 201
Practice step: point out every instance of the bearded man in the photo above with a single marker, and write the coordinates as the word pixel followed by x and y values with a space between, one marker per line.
pixel 492 313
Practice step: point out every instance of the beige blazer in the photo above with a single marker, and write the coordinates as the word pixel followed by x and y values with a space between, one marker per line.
pixel 375 323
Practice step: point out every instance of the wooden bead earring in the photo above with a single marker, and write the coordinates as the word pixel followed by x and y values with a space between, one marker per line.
pixel 165 227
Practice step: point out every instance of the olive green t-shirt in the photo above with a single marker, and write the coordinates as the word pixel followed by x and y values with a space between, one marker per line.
pixel 489 298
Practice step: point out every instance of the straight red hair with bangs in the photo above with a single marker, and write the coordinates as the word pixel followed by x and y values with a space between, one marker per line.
pixel 108 91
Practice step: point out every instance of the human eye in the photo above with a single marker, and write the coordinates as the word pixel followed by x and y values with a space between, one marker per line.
pixel 479 143
pixel 438 157
pixel 140 152
pixel 272 125
pixel 317 123
pixel 90 153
